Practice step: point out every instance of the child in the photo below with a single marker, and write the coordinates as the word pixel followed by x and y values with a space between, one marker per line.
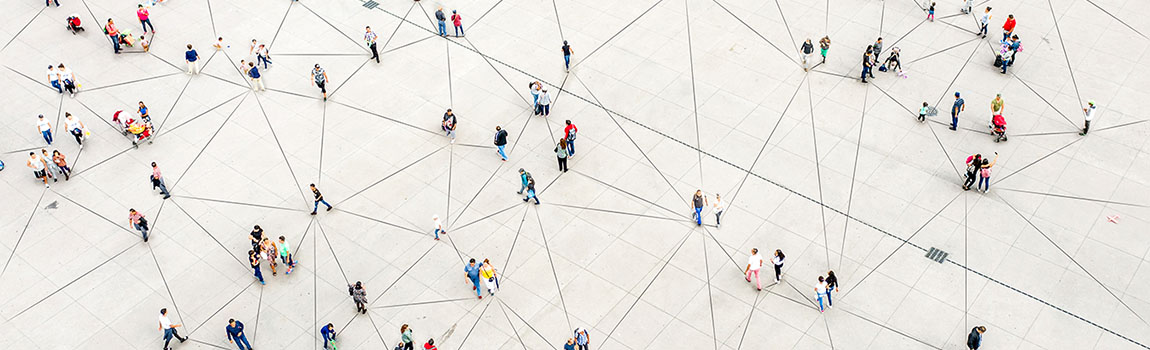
pixel 922 112
pixel 144 43
pixel 219 45
pixel 930 12
pixel 438 227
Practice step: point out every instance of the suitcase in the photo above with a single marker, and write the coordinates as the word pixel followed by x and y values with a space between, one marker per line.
pixel 998 60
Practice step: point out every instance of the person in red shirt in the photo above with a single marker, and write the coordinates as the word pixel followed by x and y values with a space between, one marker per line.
pixel 1008 27
pixel 114 34
pixel 569 133
pixel 457 21
pixel 142 14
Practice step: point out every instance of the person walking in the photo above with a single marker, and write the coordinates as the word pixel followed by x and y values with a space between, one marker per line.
pixel 318 199
pixel 369 38
pixel 145 43
pixel 820 291
pixel 561 154
pixel 754 263
pixel 254 73
pixel 959 107
pixel 569 133
pixel 973 164
pixel 54 78
pixel 930 12
pixel 39 167
pixel 524 178
pixel 997 105
pixel 582 339
pixel 328 333
pixel 531 191
pixel 832 285
pixel 440 18
pixel 406 337
pixel 805 52
pixel 263 56
pixel 866 64
pixel 286 255
pixel 472 273
pixel 252 47
pixel 698 201
pixel 169 329
pixel 778 261
pixel 1089 111
pixel 45 128
pixel 319 78
pixel 62 164
pixel 824 46
pixel 490 279
pixel 359 296
pixel 68 79
pixel 438 226
pixel 1008 27
pixel 567 51
pixel 456 20
pixel 53 170
pixel 114 34
pixel 235 331
pixel 985 22
pixel 536 88
pixel 923 111
pixel 254 260
pixel 75 127
pixel 142 14
pixel 192 57
pixel 449 124
pixel 158 181
pixel 974 340
pixel 984 173
pixel 544 103
pixel 501 141
pixel 138 222
pixel 718 207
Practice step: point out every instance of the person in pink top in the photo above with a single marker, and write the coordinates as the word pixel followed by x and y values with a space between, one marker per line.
pixel 142 14
pixel 457 21
pixel 138 222
pixel 158 181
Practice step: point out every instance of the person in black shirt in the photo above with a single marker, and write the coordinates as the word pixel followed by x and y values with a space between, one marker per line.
pixel 256 236
pixel 501 141
pixel 318 199
pixel 832 285
pixel 449 124
pixel 974 340
pixel 867 63
pixel 567 51
pixel 806 51
pixel 699 201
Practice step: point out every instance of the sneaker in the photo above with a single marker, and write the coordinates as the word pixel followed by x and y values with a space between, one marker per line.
pixel 166 196
pixel 313 213
pixel 262 283
pixel 46 186
pixel 328 208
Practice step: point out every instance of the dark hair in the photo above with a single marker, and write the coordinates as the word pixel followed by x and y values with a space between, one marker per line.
pixel 472 260
pixel 431 342
pixel 779 252
pixel 163 311
pixel 568 121
pixel 830 274
pixel 282 238
pixel 231 320
pixel 257 227
pixel 312 185
pixel 358 284
pixel 924 104
pixel 821 278
pixel 403 328
pixel 189 46
pixel 153 163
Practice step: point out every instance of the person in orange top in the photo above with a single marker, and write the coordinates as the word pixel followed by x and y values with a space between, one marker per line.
pixel 114 34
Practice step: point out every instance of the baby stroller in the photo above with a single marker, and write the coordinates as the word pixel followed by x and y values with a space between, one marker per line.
pixel 999 128
pixel 74 24
pixel 136 131
pixel 126 38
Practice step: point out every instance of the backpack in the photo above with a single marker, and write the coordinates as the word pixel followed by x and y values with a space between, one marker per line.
pixel 571 135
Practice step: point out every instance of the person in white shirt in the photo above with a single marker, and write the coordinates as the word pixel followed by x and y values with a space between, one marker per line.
pixel 820 291
pixel 75 127
pixel 778 261
pixel 438 227
pixel 252 48
pixel 169 329
pixel 544 104
pixel 262 55
pixel 718 208
pixel 754 263
pixel 45 128
pixel 985 21
pixel 1089 110
pixel 67 78
pixel 54 78
pixel 39 167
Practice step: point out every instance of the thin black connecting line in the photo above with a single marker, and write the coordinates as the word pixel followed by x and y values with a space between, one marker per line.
pixel 281 25
pixel 789 57
pixel 644 200
pixel 211 17
pixel 557 22
pixel 485 59
pixel 255 205
pixel 515 240
pixel 509 324
pixel 605 42
pixel 477 319
pixel 356 43
pixel 1065 55
pixel 420 303
pixel 450 87
pixel 130 82
pixel 614 212
pixel 819 175
pixel 554 274
pixel 26 27
pixel 393 283
pixel 854 173
pixel 649 284
pixel 944 93
pixel 58 290
pixel 1119 20
pixel 940 51
pixel 476 21
pixel 178 97
pixel 322 138
pixel 1038 160
pixel 209 318
pixel 275 137
pixel 794 44
pixel 695 103
pixel 332 94
pixel 710 298
pixel 396 172
pixel 206 144
pixel 259 307
pixel 1075 197
pixel 209 233
pixel 545 340
pixel 767 141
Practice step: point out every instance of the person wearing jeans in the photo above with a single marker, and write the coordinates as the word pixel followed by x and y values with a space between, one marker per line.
pixel 832 285
pixel 501 141
pixel 254 260
pixel 524 177
pixel 569 133
pixel 984 173
pixel 54 78
pixel 138 222
pixel 158 181
pixel 440 17
pixel 45 128
pixel 699 201
pixel 820 291
pixel 472 272
pixel 318 199
pixel 142 14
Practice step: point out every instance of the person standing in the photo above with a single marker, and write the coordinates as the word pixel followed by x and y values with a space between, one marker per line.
pixel 142 14
pixel 930 12
pixel 263 56
pixel 39 167
pixel 820 291
pixel 968 6
pixel 318 199
pixel 138 222
pixel 254 260
pixel 440 17
pixel 824 46
pixel 536 88
pixel 75 127
pixel 959 107
pixel 567 51
pixel 449 123
pixel 61 164
pixel 544 103
pixel 754 263
pixel 974 340
pixel 569 133
pixel 256 236
pixel 269 252
pixel 114 34
pixel 832 285
pixel 531 191
pixel 582 340
pixel 68 79
pixel 984 173
pixel 490 280
pixel 328 333
pixel 369 38
pixel 1089 111
pixel 472 273
pixel 438 226
pixel 235 331
pixel 561 154
pixel 252 47
pixel 285 254
pixel 219 45
pixel 456 20
pixel 876 49
pixel 192 57
pixel 973 164
pixel 145 43
pixel 866 64
pixel 699 201
pixel 54 78
pixel 923 111
pixel 319 78
pixel 501 141
pixel 359 295
pixel 570 345
pixel 805 52
pixel 158 181
pixel 997 105
pixel 524 177
pixel 1008 27
pixel 45 129
pixel 406 337
pixel 778 261
pixel 169 329
pixel 254 73
pixel 718 208
pixel 985 22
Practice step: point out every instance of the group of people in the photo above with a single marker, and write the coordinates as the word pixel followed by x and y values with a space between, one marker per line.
pixel 49 166
pixel 892 63
pixel 263 248
pixel 122 38
pixel 62 78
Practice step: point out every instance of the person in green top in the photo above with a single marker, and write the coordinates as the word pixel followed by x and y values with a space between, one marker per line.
pixel 996 107
pixel 922 112
pixel 406 338
pixel 285 254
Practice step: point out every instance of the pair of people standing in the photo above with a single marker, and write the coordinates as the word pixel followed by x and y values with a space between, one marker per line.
pixel 456 20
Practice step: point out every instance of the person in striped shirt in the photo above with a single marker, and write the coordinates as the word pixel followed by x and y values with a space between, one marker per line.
pixel 369 37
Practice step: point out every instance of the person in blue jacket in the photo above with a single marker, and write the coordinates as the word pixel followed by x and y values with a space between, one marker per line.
pixel 472 271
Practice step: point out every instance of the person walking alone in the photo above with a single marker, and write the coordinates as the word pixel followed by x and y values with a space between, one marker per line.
pixel 698 201
pixel 449 124
pixel 984 173
pixel 441 18
pixel 359 295
pixel 824 46
pixel 318 199
pixel 169 329
pixel 524 178
pixel 974 340
pixel 778 261
pixel 142 14
pixel 138 222
pixel 567 51
pixel 805 52
pixel 45 128
pixel 472 273
pixel 561 154
pixel 501 141
pixel 254 260
pixel 569 133
pixel 235 331
pixel 1089 111
pixel 832 285
pixel 369 37
pixel 438 226
pixel 456 20
pixel 984 22
pixel 717 207
pixel 959 107
pixel 319 78
pixel 158 181
pixel 192 58
pixel 754 263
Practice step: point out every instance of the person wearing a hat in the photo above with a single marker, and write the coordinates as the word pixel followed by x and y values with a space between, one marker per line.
pixel 1089 110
